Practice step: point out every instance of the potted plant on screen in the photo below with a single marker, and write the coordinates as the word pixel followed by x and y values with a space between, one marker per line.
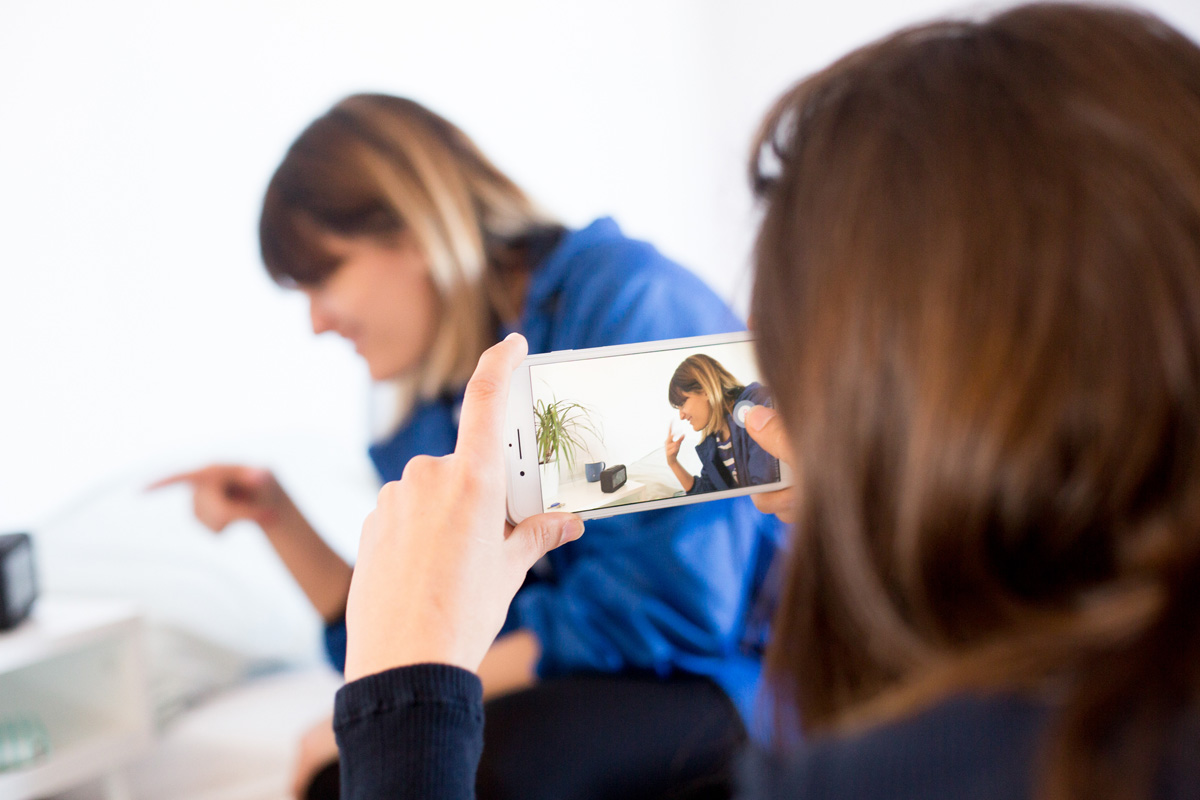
pixel 559 426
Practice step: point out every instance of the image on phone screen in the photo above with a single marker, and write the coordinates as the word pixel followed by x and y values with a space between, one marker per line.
pixel 620 430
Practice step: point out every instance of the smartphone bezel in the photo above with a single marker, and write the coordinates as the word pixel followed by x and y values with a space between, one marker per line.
pixel 524 491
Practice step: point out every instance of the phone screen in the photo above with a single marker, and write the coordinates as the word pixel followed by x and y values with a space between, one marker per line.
pixel 624 429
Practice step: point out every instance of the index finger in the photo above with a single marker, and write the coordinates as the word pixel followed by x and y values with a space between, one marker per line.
pixel 766 428
pixel 171 480
pixel 485 402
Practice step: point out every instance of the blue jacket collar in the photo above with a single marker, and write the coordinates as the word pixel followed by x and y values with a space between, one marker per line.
pixel 552 274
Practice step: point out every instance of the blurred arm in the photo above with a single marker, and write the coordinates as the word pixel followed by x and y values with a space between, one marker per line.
pixel 322 574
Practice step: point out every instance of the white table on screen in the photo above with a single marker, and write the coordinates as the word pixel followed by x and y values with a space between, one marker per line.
pixel 578 495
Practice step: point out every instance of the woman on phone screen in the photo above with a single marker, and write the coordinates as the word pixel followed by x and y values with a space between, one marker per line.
pixel 633 657
pixel 707 397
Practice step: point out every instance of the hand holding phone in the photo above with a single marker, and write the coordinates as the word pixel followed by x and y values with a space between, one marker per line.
pixel 437 566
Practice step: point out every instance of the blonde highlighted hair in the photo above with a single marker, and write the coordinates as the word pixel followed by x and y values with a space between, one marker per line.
pixel 381 166
pixel 701 374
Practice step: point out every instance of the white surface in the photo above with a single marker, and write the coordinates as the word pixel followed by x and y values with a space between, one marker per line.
pixel 58 625
pixel 78 668
pixel 238 745
pixel 579 495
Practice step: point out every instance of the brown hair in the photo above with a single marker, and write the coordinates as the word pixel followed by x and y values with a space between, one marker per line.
pixel 379 166
pixel 702 374
pixel 978 301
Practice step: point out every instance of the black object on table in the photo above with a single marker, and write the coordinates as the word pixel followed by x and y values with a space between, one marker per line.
pixel 613 478
pixel 18 579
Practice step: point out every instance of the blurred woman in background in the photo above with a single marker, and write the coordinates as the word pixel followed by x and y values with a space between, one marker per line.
pixel 978 305
pixel 631 655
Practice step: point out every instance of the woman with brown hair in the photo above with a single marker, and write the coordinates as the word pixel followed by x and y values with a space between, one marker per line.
pixel 978 304
pixel 978 298
pixel 707 396
pixel 632 653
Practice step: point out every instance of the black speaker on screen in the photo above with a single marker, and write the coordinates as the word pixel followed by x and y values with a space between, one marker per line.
pixel 613 478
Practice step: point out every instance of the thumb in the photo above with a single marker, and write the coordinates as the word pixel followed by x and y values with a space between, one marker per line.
pixel 766 428
pixel 541 533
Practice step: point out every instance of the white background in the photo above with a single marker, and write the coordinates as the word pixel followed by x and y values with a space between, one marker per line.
pixel 138 331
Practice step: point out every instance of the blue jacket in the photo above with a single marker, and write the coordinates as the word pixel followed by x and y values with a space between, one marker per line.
pixel 657 590
pixel 755 465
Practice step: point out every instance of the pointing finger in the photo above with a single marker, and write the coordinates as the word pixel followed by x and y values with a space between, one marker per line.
pixel 171 480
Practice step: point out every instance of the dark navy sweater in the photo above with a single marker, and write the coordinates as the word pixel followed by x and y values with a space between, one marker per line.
pixel 417 732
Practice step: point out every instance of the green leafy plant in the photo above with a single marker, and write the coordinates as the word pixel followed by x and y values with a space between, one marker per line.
pixel 559 427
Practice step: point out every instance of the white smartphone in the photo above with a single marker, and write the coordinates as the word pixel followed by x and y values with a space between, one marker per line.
pixel 613 430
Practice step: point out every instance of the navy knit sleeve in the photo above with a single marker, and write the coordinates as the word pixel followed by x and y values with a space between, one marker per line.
pixel 411 732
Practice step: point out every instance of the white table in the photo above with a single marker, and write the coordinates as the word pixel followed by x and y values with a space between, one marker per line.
pixel 79 667
pixel 578 495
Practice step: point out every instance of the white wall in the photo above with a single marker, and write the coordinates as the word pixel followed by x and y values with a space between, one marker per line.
pixel 137 329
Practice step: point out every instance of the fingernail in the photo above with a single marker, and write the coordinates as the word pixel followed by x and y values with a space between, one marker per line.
pixel 758 417
pixel 574 528
pixel 512 335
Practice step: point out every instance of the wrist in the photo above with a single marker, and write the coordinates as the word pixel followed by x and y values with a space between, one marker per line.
pixel 426 647
pixel 279 518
